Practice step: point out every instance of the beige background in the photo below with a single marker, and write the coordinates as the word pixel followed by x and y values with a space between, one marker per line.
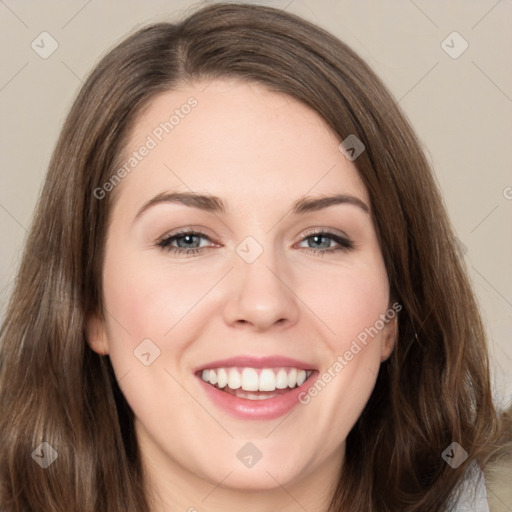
pixel 461 108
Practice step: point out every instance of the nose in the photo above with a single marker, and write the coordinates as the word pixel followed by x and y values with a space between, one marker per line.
pixel 261 294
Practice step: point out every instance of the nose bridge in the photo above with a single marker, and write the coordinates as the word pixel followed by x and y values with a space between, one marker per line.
pixel 260 293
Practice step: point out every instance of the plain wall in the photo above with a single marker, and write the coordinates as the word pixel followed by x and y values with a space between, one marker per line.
pixel 460 105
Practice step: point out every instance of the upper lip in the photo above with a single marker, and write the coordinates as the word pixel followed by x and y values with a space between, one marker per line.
pixel 248 361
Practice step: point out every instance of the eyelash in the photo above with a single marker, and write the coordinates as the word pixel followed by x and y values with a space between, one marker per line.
pixel 345 243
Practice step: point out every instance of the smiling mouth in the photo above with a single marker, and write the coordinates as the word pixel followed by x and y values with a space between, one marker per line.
pixel 255 383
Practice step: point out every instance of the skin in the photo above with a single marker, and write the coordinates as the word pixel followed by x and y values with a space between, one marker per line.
pixel 259 151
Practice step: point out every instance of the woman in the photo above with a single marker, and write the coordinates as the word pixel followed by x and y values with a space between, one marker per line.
pixel 256 369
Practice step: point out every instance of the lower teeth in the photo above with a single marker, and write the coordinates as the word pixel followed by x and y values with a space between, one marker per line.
pixel 259 395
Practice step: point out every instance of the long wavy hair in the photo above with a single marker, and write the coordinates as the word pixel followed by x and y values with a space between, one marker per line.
pixel 432 391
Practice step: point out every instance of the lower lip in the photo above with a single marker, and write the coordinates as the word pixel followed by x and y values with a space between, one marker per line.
pixel 267 409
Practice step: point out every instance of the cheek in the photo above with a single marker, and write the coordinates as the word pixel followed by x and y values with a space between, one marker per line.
pixel 356 299
pixel 150 309
pixel 349 371
pixel 368 297
pixel 149 300
pixel 347 299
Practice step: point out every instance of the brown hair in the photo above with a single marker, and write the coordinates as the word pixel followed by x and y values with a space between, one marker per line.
pixel 433 390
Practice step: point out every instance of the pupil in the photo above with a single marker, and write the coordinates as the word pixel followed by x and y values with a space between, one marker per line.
pixel 188 238
pixel 317 238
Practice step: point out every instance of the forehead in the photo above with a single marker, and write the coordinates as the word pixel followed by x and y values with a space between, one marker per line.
pixel 237 140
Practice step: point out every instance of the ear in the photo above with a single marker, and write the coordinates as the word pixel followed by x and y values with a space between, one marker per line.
pixel 96 334
pixel 389 338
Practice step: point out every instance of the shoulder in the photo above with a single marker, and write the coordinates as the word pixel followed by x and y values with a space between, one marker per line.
pixel 498 476
pixel 471 495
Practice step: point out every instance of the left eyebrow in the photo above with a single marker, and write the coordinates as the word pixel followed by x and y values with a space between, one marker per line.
pixel 313 204
pixel 214 204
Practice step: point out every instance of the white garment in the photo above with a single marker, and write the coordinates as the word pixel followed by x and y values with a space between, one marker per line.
pixel 472 496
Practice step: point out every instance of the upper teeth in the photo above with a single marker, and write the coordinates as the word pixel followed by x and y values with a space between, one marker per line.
pixel 252 379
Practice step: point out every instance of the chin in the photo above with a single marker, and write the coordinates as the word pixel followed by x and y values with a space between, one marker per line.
pixel 258 480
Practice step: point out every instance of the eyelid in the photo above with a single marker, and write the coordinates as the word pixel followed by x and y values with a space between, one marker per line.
pixel 343 241
pixel 203 231
pixel 197 230
pixel 326 231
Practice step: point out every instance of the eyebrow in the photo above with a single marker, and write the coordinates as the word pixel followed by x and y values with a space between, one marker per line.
pixel 214 204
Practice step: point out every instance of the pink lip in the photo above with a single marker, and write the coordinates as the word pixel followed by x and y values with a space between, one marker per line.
pixel 244 408
pixel 256 362
pixel 257 409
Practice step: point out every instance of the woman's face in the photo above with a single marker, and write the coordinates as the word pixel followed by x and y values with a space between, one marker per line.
pixel 274 287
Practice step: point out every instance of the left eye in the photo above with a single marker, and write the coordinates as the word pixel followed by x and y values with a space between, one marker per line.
pixel 344 242
pixel 187 242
